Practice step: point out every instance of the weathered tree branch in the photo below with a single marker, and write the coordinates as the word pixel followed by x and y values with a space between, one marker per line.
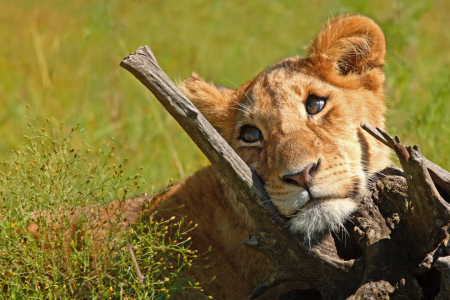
pixel 236 173
pixel 439 176
pixel 398 234
pixel 426 226
pixel 272 230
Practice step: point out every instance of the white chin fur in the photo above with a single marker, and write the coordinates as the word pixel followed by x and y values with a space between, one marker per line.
pixel 292 203
pixel 322 214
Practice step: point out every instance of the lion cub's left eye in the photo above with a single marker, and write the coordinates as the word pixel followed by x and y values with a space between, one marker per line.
pixel 314 104
pixel 250 134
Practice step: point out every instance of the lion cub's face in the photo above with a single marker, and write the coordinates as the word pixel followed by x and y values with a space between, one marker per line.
pixel 297 124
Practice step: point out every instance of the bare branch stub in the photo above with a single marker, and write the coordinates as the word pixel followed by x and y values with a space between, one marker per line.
pixel 427 225
pixel 439 176
pixel 423 227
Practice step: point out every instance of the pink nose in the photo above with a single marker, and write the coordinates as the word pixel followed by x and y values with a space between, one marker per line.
pixel 304 177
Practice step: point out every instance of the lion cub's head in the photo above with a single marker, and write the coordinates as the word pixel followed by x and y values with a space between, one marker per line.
pixel 297 124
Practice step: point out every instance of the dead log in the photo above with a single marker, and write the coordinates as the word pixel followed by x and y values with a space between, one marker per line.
pixel 397 243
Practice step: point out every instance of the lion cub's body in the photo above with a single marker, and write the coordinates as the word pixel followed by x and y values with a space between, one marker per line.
pixel 297 125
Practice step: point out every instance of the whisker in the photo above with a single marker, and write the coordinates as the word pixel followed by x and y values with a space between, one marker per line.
pixel 238 109
pixel 240 104
pixel 245 94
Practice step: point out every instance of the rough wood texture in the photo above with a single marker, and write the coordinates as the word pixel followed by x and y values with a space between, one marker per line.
pixel 440 176
pixel 397 240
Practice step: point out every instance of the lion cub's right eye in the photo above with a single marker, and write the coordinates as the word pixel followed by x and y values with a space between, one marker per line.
pixel 250 134
pixel 314 104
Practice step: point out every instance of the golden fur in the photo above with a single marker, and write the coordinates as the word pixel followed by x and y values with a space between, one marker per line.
pixel 344 68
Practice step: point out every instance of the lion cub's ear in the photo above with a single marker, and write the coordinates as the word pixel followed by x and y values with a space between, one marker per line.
pixel 215 103
pixel 349 51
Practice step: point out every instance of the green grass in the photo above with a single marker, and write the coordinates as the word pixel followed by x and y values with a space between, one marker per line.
pixel 62 58
pixel 47 188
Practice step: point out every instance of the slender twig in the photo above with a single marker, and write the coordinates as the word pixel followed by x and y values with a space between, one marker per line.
pixel 135 265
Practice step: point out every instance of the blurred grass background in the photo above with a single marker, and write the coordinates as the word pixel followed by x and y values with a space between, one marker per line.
pixel 62 58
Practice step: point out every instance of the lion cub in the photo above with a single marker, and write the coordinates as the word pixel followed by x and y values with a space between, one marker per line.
pixel 297 126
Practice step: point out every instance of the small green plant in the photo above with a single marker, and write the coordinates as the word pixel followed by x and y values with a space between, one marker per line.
pixel 58 240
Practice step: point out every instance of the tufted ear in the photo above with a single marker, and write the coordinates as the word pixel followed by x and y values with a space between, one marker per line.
pixel 215 103
pixel 349 51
